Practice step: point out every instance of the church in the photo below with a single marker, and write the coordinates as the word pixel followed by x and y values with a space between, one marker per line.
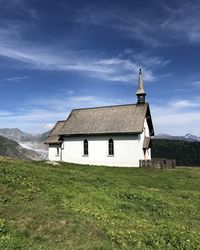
pixel 109 135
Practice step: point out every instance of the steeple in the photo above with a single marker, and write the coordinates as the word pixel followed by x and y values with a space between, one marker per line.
pixel 140 91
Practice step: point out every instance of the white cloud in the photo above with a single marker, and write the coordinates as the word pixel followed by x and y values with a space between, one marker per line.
pixel 196 83
pixel 183 23
pixel 43 127
pixel 17 78
pixel 4 113
pixel 115 69
pixel 41 114
pixel 31 119
pixel 184 104
pixel 177 117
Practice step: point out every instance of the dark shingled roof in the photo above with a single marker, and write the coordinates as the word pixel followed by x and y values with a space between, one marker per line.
pixel 54 137
pixel 121 119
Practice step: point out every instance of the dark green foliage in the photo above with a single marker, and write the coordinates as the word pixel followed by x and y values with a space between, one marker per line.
pixel 82 207
pixel 185 153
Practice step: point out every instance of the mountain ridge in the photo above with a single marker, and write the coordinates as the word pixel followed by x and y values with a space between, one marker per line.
pixel 187 137
pixel 11 148
pixel 28 141
pixel 20 136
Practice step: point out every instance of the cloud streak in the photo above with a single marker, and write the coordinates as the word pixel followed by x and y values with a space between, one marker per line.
pixel 177 117
pixel 133 25
pixel 17 78
pixel 183 22
pixel 178 24
pixel 41 113
pixel 115 69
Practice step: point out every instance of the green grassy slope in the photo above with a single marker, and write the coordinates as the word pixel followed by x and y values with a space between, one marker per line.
pixel 82 207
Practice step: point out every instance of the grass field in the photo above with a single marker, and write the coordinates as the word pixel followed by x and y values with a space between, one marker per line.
pixel 83 207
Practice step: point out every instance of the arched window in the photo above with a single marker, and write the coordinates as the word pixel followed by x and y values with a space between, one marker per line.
pixel 110 147
pixel 85 147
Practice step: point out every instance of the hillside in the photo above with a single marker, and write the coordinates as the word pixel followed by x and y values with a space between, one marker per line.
pixel 81 207
pixel 28 141
pixel 16 134
pixel 43 137
pixel 12 149
pixel 186 153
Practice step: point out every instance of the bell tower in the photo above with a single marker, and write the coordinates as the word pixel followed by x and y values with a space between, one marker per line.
pixel 140 91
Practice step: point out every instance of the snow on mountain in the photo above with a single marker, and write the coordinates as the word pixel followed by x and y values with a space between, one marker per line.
pixel 27 140
pixel 187 137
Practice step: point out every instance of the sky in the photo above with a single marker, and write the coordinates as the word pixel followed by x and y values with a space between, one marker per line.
pixel 57 55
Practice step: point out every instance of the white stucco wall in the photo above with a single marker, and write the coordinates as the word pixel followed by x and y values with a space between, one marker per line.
pixel 52 155
pixel 128 150
pixel 146 128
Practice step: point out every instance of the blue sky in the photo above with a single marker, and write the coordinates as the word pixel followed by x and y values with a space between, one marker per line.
pixel 59 55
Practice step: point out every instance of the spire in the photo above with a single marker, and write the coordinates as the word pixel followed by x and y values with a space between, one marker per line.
pixel 140 91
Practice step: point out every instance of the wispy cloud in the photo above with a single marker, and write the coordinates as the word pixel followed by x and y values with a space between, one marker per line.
pixel 180 104
pixel 136 26
pixel 21 7
pixel 40 114
pixel 179 23
pixel 17 78
pixel 117 69
pixel 183 22
pixel 196 83
pixel 177 117
pixel 4 113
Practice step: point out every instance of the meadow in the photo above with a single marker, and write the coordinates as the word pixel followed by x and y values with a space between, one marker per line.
pixel 71 206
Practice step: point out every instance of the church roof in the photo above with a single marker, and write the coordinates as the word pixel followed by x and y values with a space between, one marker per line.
pixel 121 119
pixel 54 135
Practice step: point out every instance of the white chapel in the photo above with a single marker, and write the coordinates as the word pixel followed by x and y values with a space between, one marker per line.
pixel 110 135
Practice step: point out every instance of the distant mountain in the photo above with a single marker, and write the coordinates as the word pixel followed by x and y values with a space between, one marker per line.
pixel 187 137
pixel 42 137
pixel 16 134
pixel 192 137
pixel 11 148
pixel 20 136
pixel 27 141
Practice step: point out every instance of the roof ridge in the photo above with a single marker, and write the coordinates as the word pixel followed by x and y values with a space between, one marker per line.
pixel 109 106
pixel 61 121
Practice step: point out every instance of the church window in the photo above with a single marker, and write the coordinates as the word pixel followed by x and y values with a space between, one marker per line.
pixel 110 147
pixel 85 147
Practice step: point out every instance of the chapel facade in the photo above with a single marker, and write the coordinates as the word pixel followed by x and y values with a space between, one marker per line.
pixel 117 135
